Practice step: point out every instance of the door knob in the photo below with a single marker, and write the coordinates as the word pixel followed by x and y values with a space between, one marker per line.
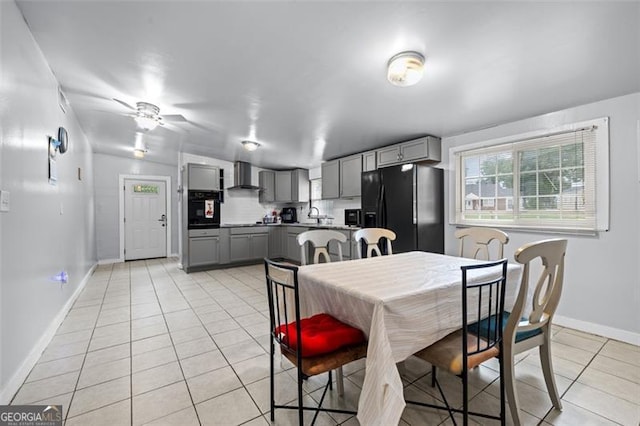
pixel 163 219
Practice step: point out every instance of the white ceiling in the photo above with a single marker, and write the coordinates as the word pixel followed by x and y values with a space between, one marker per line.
pixel 308 79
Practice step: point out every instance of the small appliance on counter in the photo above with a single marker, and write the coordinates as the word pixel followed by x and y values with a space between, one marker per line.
pixel 270 218
pixel 353 217
pixel 289 215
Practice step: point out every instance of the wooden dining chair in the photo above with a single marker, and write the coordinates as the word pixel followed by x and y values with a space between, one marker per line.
pixel 315 345
pixel 483 291
pixel 320 239
pixel 371 237
pixel 523 333
pixel 476 241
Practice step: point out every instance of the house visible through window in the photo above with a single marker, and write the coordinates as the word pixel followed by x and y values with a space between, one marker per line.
pixel 552 180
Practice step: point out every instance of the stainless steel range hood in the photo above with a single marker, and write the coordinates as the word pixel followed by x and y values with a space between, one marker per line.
pixel 242 176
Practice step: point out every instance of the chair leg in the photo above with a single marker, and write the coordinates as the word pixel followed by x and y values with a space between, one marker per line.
pixel 300 400
pixel 272 380
pixel 433 376
pixel 465 397
pixel 340 381
pixel 510 385
pixel 503 410
pixel 547 370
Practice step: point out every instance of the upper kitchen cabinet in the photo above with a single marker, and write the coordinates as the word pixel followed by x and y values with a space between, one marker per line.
pixel 423 149
pixel 341 177
pixel 369 161
pixel 203 177
pixel 267 183
pixel 350 176
pixel 292 186
pixel 330 179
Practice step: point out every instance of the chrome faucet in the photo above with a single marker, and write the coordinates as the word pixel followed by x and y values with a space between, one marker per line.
pixel 317 215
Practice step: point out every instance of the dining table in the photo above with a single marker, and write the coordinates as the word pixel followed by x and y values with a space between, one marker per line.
pixel 403 303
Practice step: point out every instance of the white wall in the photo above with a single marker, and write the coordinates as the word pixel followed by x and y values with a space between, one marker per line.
pixel 49 228
pixel 107 169
pixel 602 279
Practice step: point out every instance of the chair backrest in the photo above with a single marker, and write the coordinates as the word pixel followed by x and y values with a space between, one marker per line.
pixel 483 290
pixel 284 301
pixel 476 241
pixel 320 240
pixel 548 288
pixel 371 236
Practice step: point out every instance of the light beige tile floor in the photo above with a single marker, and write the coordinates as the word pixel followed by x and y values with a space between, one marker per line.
pixel 146 343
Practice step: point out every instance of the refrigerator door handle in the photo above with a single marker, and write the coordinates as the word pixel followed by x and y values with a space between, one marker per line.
pixel 382 223
pixel 415 196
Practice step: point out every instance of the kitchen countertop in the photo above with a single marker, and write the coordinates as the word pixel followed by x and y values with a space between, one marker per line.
pixel 301 225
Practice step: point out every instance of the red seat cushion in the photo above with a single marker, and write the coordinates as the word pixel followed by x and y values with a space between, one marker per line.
pixel 321 334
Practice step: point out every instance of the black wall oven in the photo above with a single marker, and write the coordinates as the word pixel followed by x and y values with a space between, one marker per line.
pixel 203 209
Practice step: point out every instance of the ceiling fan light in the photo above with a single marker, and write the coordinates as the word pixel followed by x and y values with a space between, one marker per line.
pixel 146 123
pixel 250 145
pixel 405 68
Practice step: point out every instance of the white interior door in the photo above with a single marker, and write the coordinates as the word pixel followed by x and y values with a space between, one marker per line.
pixel 145 219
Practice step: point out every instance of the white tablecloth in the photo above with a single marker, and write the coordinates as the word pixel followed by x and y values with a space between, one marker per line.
pixel 402 302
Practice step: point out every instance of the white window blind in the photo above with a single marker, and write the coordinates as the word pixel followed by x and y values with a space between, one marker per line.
pixel 556 180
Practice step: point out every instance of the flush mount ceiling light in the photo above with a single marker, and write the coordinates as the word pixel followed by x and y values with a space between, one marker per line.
pixel 250 145
pixel 139 152
pixel 405 68
pixel 147 116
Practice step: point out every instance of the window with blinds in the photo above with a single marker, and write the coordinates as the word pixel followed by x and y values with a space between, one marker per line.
pixel 557 180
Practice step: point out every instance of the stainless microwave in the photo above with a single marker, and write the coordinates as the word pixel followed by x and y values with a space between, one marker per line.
pixel 352 217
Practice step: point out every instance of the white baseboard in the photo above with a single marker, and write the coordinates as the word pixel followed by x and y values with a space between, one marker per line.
pixel 109 261
pixel 600 330
pixel 14 383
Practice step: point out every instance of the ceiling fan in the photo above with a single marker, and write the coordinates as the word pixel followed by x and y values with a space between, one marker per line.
pixel 147 115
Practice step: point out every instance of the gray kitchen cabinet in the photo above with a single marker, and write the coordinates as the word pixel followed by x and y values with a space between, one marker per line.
pixel 423 149
pixel 283 186
pixel 275 241
pixel 389 155
pixel 292 186
pixel 267 183
pixel 330 179
pixel 346 247
pixel 350 176
pixel 260 246
pixel 248 243
pixel 240 248
pixel 203 248
pixel 293 248
pixel 203 177
pixel 369 161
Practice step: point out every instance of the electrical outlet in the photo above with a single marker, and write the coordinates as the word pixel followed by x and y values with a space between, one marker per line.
pixel 5 201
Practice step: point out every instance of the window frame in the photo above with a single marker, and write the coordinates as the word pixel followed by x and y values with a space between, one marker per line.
pixel 599 178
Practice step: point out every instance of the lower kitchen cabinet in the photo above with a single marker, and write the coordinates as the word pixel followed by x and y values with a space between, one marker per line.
pixel 293 248
pixel 275 241
pixel 249 243
pixel 346 247
pixel 292 251
pixel 260 245
pixel 240 248
pixel 204 248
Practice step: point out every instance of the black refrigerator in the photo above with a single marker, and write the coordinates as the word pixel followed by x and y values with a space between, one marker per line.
pixel 409 200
